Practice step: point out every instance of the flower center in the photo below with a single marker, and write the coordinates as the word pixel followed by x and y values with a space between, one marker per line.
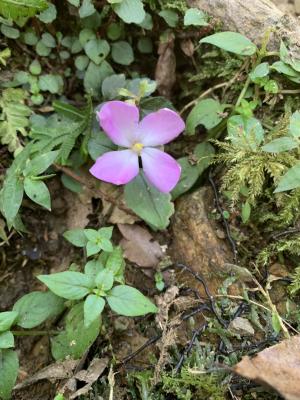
pixel 137 147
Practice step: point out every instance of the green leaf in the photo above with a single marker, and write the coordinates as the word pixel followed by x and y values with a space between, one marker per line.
pixel 85 35
pixel 95 75
pixel 76 237
pixel 114 31
pixel 196 17
pixel 92 248
pixel 170 16
pixel 104 280
pixel 279 145
pixel 7 319
pixel 106 232
pixel 81 62
pixel 75 340
pixel 145 45
pixel 294 127
pixel 14 118
pixel 290 180
pixel 147 202
pixel 122 53
pixel 6 340
pixel 130 11
pixel 75 3
pixel 9 31
pixel 92 235
pixel 246 212
pixel 285 69
pixel 52 83
pixel 49 15
pixel 9 366
pixel 36 307
pixel 42 50
pixel 35 67
pixel 68 284
pixel 246 133
pixel 48 40
pixel 147 22
pixel 30 38
pixel 87 8
pixel 259 72
pixel 93 307
pixel 115 261
pixel 18 10
pixel 206 112
pixel 12 196
pixel 38 192
pixel 92 268
pixel 231 41
pixel 97 50
pixel 203 153
pixel 99 144
pixel 40 164
pixel 130 302
pixel 111 86
pixel 276 322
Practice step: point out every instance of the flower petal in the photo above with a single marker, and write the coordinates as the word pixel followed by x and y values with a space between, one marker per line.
pixel 118 167
pixel 160 169
pixel 119 120
pixel 160 127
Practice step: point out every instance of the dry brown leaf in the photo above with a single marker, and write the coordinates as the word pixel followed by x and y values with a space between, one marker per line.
pixel 165 72
pixel 56 371
pixel 278 367
pixel 187 46
pixel 139 247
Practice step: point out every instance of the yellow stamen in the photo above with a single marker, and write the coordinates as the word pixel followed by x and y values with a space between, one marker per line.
pixel 137 147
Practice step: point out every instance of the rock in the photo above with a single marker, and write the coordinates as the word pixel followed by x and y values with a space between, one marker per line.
pixel 241 326
pixel 196 241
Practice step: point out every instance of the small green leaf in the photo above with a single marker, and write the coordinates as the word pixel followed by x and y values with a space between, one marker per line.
pixel 94 76
pixel 97 50
pixel 7 319
pixel 122 53
pixel 170 16
pixel 87 8
pixel 6 341
pixel 106 232
pixel 279 145
pixel 294 127
pixel 231 41
pixel 9 366
pixel 35 67
pixel 76 237
pixel 246 212
pixel 12 196
pixel 99 144
pixel 30 38
pixel 9 31
pixel 92 248
pixel 148 203
pixel 40 164
pixel 49 15
pixel 276 322
pixel 145 45
pixel 36 307
pixel 260 71
pixel 42 50
pixel 81 62
pixel 246 133
pixel 68 284
pixel 104 280
pixel 290 180
pixel 38 192
pixel 130 302
pixel 92 235
pixel 130 11
pixel 93 307
pixel 76 339
pixel 48 40
pixel 115 261
pixel 114 31
pixel 92 268
pixel 85 35
pixel 52 83
pixel 196 17
pixel 207 113
pixel 112 85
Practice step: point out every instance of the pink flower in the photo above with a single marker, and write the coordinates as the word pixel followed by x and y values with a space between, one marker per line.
pixel 120 121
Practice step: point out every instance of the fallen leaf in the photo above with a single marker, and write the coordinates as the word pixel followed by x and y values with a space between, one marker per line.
pixel 56 371
pixel 165 72
pixel 139 247
pixel 187 46
pixel 241 326
pixel 278 367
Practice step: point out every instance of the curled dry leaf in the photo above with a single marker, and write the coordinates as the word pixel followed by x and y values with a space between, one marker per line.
pixel 139 247
pixel 278 367
pixel 187 46
pixel 165 72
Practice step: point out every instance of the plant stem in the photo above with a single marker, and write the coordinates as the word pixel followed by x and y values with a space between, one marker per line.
pixel 34 333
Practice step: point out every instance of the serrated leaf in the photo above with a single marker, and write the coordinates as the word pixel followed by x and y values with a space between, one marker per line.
pixel 75 340
pixel 9 366
pixel 36 307
pixel 130 302
pixel 76 236
pixel 147 202
pixel 38 192
pixel 93 307
pixel 69 285
pixel 104 279
pixel 231 41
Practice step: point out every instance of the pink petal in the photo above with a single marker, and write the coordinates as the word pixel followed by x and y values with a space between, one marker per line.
pixel 160 127
pixel 160 169
pixel 119 120
pixel 117 167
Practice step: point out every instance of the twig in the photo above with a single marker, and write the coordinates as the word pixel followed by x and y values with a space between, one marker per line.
pixel 225 223
pixel 100 192
pixel 140 349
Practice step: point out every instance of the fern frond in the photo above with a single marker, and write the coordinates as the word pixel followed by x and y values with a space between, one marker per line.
pixel 21 9
pixel 295 285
